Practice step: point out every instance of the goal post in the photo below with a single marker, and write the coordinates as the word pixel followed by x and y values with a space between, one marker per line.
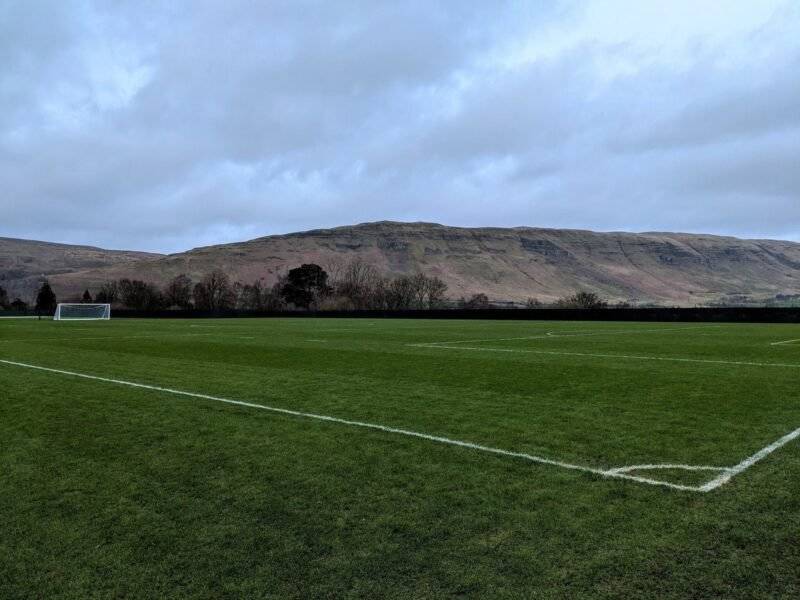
pixel 82 312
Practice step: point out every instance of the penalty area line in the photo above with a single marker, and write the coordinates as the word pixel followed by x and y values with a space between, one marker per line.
pixel 607 473
pixel 705 361
pixel 567 334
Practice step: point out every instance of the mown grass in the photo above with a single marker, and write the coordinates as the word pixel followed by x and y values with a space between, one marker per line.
pixel 109 491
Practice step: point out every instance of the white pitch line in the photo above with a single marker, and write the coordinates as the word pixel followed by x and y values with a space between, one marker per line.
pixel 750 461
pixel 784 342
pixel 660 466
pixel 384 428
pixel 556 334
pixel 623 356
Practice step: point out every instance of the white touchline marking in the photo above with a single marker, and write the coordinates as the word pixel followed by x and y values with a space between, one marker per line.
pixel 784 342
pixel 750 461
pixel 623 356
pixel 610 473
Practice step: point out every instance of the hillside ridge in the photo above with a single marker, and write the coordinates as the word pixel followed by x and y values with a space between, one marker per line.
pixel 513 263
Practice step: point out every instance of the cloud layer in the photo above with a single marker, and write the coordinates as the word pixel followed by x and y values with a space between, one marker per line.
pixel 163 126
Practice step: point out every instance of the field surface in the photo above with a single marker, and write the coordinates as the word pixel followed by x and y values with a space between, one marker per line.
pixel 398 458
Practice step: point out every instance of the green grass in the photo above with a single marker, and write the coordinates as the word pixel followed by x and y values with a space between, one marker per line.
pixel 114 491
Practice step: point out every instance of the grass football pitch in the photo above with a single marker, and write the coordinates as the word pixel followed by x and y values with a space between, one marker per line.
pixel 363 458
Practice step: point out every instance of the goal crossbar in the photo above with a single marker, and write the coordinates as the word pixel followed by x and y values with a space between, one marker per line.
pixel 82 312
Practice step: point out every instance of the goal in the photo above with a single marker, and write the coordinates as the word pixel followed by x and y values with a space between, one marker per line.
pixel 82 312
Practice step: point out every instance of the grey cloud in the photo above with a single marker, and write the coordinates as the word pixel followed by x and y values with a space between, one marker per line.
pixel 165 126
pixel 736 105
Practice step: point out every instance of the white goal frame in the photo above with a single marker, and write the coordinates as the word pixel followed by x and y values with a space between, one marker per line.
pixel 105 315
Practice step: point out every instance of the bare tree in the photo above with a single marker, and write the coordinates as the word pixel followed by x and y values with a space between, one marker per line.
pixel 359 285
pixel 379 295
pixel 109 293
pixel 477 302
pixel 357 282
pixel 436 290
pixel 214 292
pixel 419 290
pixel 334 266
pixel 533 303
pixel 401 293
pixel 140 295
pixel 179 292
pixel 272 299
pixel 250 296
pixel 582 300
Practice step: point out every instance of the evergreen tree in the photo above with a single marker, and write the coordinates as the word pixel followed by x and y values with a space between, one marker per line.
pixel 46 299
pixel 304 285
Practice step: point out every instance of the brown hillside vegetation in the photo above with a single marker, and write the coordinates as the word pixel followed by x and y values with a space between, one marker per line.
pixel 505 263
pixel 23 263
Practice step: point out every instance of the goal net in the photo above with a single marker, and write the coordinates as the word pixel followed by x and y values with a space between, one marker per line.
pixel 82 312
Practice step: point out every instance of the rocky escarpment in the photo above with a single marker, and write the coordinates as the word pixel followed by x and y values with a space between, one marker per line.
pixel 505 263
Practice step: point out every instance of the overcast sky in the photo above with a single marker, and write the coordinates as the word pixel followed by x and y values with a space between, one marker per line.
pixel 168 125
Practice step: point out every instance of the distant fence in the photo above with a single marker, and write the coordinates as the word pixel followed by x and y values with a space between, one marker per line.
pixel 19 314
pixel 704 315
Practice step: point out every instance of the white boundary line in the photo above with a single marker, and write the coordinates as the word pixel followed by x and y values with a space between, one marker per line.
pixel 616 473
pixel 784 342
pixel 749 461
pixel 631 468
pixel 406 432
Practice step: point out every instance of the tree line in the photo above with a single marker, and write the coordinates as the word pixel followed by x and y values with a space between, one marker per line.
pixel 355 285
pixel 45 300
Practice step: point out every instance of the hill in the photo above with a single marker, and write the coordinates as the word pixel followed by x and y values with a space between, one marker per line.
pixel 23 263
pixel 505 263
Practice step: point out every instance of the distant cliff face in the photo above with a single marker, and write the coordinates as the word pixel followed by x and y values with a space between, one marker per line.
pixel 506 264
